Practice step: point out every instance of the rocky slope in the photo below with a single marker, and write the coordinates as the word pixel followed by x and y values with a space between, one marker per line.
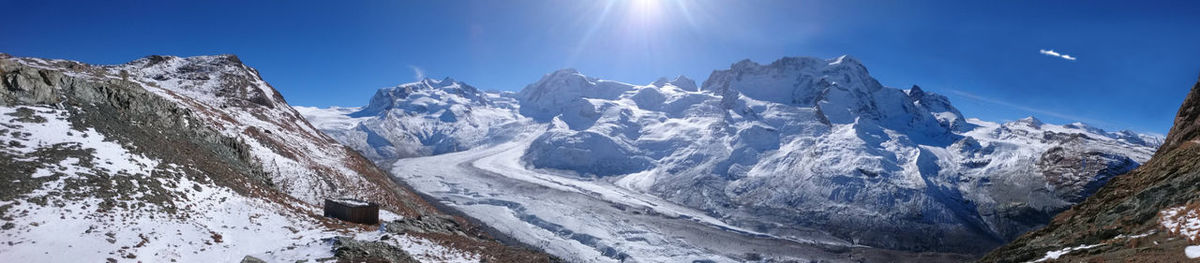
pixel 798 148
pixel 189 159
pixel 1147 215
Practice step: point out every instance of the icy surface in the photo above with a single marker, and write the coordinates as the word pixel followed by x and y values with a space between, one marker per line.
pixel 585 220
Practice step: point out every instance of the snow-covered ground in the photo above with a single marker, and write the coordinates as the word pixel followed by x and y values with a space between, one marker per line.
pixel 1183 221
pixel 92 198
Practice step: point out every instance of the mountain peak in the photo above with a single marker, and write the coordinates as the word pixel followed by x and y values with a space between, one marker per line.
pixel 1187 121
pixel 1084 126
pixel 743 64
pixel 428 83
pixel 221 59
pixel 1031 121
pixel 220 79
pixel 800 63
pixel 447 80
pixel 398 96
pixel 680 81
pixel 845 59
pixel 916 92
pixel 546 98
pixel 432 82
pixel 565 71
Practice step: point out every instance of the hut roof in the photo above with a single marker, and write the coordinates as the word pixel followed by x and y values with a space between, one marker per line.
pixel 350 202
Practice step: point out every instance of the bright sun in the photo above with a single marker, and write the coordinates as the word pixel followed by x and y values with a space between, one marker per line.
pixel 645 9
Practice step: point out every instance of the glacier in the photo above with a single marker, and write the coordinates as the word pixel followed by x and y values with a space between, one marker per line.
pixel 804 151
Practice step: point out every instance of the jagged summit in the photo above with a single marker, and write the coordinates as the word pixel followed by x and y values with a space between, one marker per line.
pixel 845 61
pixel 841 90
pixel 217 79
pixel 546 98
pixel 1187 122
pixel 1030 121
pixel 221 59
pixel 681 81
pixel 915 91
pixel 408 97
pixel 565 71
pixel 812 76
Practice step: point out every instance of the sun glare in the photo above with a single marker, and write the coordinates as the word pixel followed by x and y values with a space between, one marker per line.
pixel 645 10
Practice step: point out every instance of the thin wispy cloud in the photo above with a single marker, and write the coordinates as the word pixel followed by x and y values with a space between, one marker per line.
pixel 418 73
pixel 1056 54
pixel 1026 108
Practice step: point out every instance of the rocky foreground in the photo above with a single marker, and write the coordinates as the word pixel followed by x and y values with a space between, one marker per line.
pixel 194 159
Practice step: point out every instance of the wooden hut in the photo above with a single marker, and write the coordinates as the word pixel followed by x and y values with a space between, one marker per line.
pixel 352 210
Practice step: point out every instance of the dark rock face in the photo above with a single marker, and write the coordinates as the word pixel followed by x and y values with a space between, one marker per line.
pixel 1121 221
pixel 1187 122
pixel 1076 173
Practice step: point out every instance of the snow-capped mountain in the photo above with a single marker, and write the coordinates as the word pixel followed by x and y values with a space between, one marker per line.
pixel 423 118
pixel 800 149
pixel 192 159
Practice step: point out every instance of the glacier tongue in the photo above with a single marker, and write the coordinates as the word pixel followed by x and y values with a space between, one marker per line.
pixel 791 148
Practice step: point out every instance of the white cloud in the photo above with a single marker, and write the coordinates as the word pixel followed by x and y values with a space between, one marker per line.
pixel 1056 54
pixel 418 73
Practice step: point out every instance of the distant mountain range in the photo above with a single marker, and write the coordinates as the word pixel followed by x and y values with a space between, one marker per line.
pixel 802 149
pixel 1147 215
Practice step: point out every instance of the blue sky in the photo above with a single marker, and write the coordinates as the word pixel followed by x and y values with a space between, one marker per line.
pixel 1134 62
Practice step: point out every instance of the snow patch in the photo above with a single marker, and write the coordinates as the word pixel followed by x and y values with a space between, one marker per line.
pixel 1053 255
pixel 1192 251
pixel 1182 220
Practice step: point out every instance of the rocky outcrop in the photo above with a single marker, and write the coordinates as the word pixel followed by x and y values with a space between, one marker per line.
pixel 1076 173
pixel 123 109
pixel 349 250
pixel 1132 218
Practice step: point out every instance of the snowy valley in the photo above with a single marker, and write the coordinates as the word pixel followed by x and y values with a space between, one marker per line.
pixel 802 158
